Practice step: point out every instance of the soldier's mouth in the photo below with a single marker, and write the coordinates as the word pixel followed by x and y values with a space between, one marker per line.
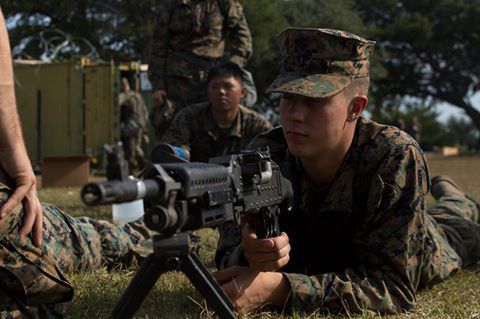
pixel 296 134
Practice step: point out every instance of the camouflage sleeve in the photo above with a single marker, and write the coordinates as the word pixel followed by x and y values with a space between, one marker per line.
pixel 257 125
pixel 159 47
pixel 263 125
pixel 390 247
pixel 180 131
pixel 239 39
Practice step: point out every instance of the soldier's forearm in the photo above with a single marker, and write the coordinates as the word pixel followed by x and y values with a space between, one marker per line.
pixel 9 121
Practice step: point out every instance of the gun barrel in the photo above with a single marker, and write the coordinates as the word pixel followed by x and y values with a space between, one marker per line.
pixel 119 191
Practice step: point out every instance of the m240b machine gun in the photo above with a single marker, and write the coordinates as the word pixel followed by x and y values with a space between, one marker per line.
pixel 180 196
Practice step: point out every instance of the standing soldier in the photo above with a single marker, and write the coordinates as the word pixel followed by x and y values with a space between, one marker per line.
pixel 133 125
pixel 189 38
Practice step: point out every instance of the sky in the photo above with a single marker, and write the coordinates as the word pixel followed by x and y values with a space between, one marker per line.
pixel 447 110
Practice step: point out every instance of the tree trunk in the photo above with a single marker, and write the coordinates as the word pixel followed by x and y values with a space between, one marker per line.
pixel 473 113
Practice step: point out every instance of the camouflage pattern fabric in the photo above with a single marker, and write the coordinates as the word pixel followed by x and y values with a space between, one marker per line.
pixel 133 127
pixel 191 36
pixel 33 280
pixel 195 129
pixel 320 63
pixel 205 30
pixel 366 242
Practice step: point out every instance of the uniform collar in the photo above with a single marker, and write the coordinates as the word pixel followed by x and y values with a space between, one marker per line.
pixel 235 129
pixel 340 196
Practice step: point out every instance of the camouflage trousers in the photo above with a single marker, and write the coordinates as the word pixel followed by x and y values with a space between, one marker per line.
pixel 134 154
pixel 458 217
pixel 32 279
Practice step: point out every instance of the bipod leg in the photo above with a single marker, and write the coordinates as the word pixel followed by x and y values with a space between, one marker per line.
pixel 201 279
pixel 139 287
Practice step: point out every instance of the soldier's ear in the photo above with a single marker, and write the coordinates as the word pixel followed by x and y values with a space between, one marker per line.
pixel 244 91
pixel 357 106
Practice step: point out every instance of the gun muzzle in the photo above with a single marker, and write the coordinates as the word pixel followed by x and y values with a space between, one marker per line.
pixel 115 192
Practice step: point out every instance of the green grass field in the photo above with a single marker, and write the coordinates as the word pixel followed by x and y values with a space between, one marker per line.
pixel 96 292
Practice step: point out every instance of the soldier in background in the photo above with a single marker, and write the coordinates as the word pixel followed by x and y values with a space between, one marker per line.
pixel 220 126
pixel 189 38
pixel 133 125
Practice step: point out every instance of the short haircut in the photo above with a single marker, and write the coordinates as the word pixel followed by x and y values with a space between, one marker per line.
pixel 226 69
pixel 359 86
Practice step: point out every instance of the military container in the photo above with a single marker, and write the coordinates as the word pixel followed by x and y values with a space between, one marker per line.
pixel 70 109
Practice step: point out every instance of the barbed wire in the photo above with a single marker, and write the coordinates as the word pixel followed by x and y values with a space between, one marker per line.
pixel 54 45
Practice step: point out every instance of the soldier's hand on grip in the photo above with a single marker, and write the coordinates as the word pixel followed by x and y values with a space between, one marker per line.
pixel 268 254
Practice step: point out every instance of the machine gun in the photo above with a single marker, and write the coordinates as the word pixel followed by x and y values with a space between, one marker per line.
pixel 180 196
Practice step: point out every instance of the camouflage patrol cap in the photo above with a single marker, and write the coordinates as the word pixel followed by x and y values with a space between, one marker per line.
pixel 320 63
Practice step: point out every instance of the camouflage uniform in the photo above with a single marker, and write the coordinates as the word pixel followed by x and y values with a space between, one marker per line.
pixel 33 279
pixel 195 129
pixel 133 127
pixel 366 241
pixel 190 37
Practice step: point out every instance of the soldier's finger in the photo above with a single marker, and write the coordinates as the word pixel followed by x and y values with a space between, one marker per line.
pixel 281 241
pixel 232 290
pixel 260 258
pixel 276 264
pixel 14 199
pixel 227 274
pixel 29 218
pixel 251 242
pixel 37 230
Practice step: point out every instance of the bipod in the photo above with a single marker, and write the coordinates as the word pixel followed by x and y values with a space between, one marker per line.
pixel 173 252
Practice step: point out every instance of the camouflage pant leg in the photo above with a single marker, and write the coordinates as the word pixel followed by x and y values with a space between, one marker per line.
pixel 120 246
pixel 132 147
pixel 458 216
pixel 34 277
pixel 15 309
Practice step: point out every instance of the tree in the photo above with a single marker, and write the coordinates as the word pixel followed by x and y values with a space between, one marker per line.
pixel 429 49
pixel 463 133
pixel 119 30
pixel 267 18
pixel 432 132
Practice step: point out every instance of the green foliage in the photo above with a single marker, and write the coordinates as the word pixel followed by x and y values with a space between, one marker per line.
pixel 119 30
pixel 267 18
pixel 432 133
pixel 463 133
pixel 430 50
pixel 425 49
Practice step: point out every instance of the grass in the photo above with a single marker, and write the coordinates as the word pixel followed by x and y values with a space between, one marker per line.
pixel 97 292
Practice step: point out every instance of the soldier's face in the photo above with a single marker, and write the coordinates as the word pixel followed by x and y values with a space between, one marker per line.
pixel 313 127
pixel 225 92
